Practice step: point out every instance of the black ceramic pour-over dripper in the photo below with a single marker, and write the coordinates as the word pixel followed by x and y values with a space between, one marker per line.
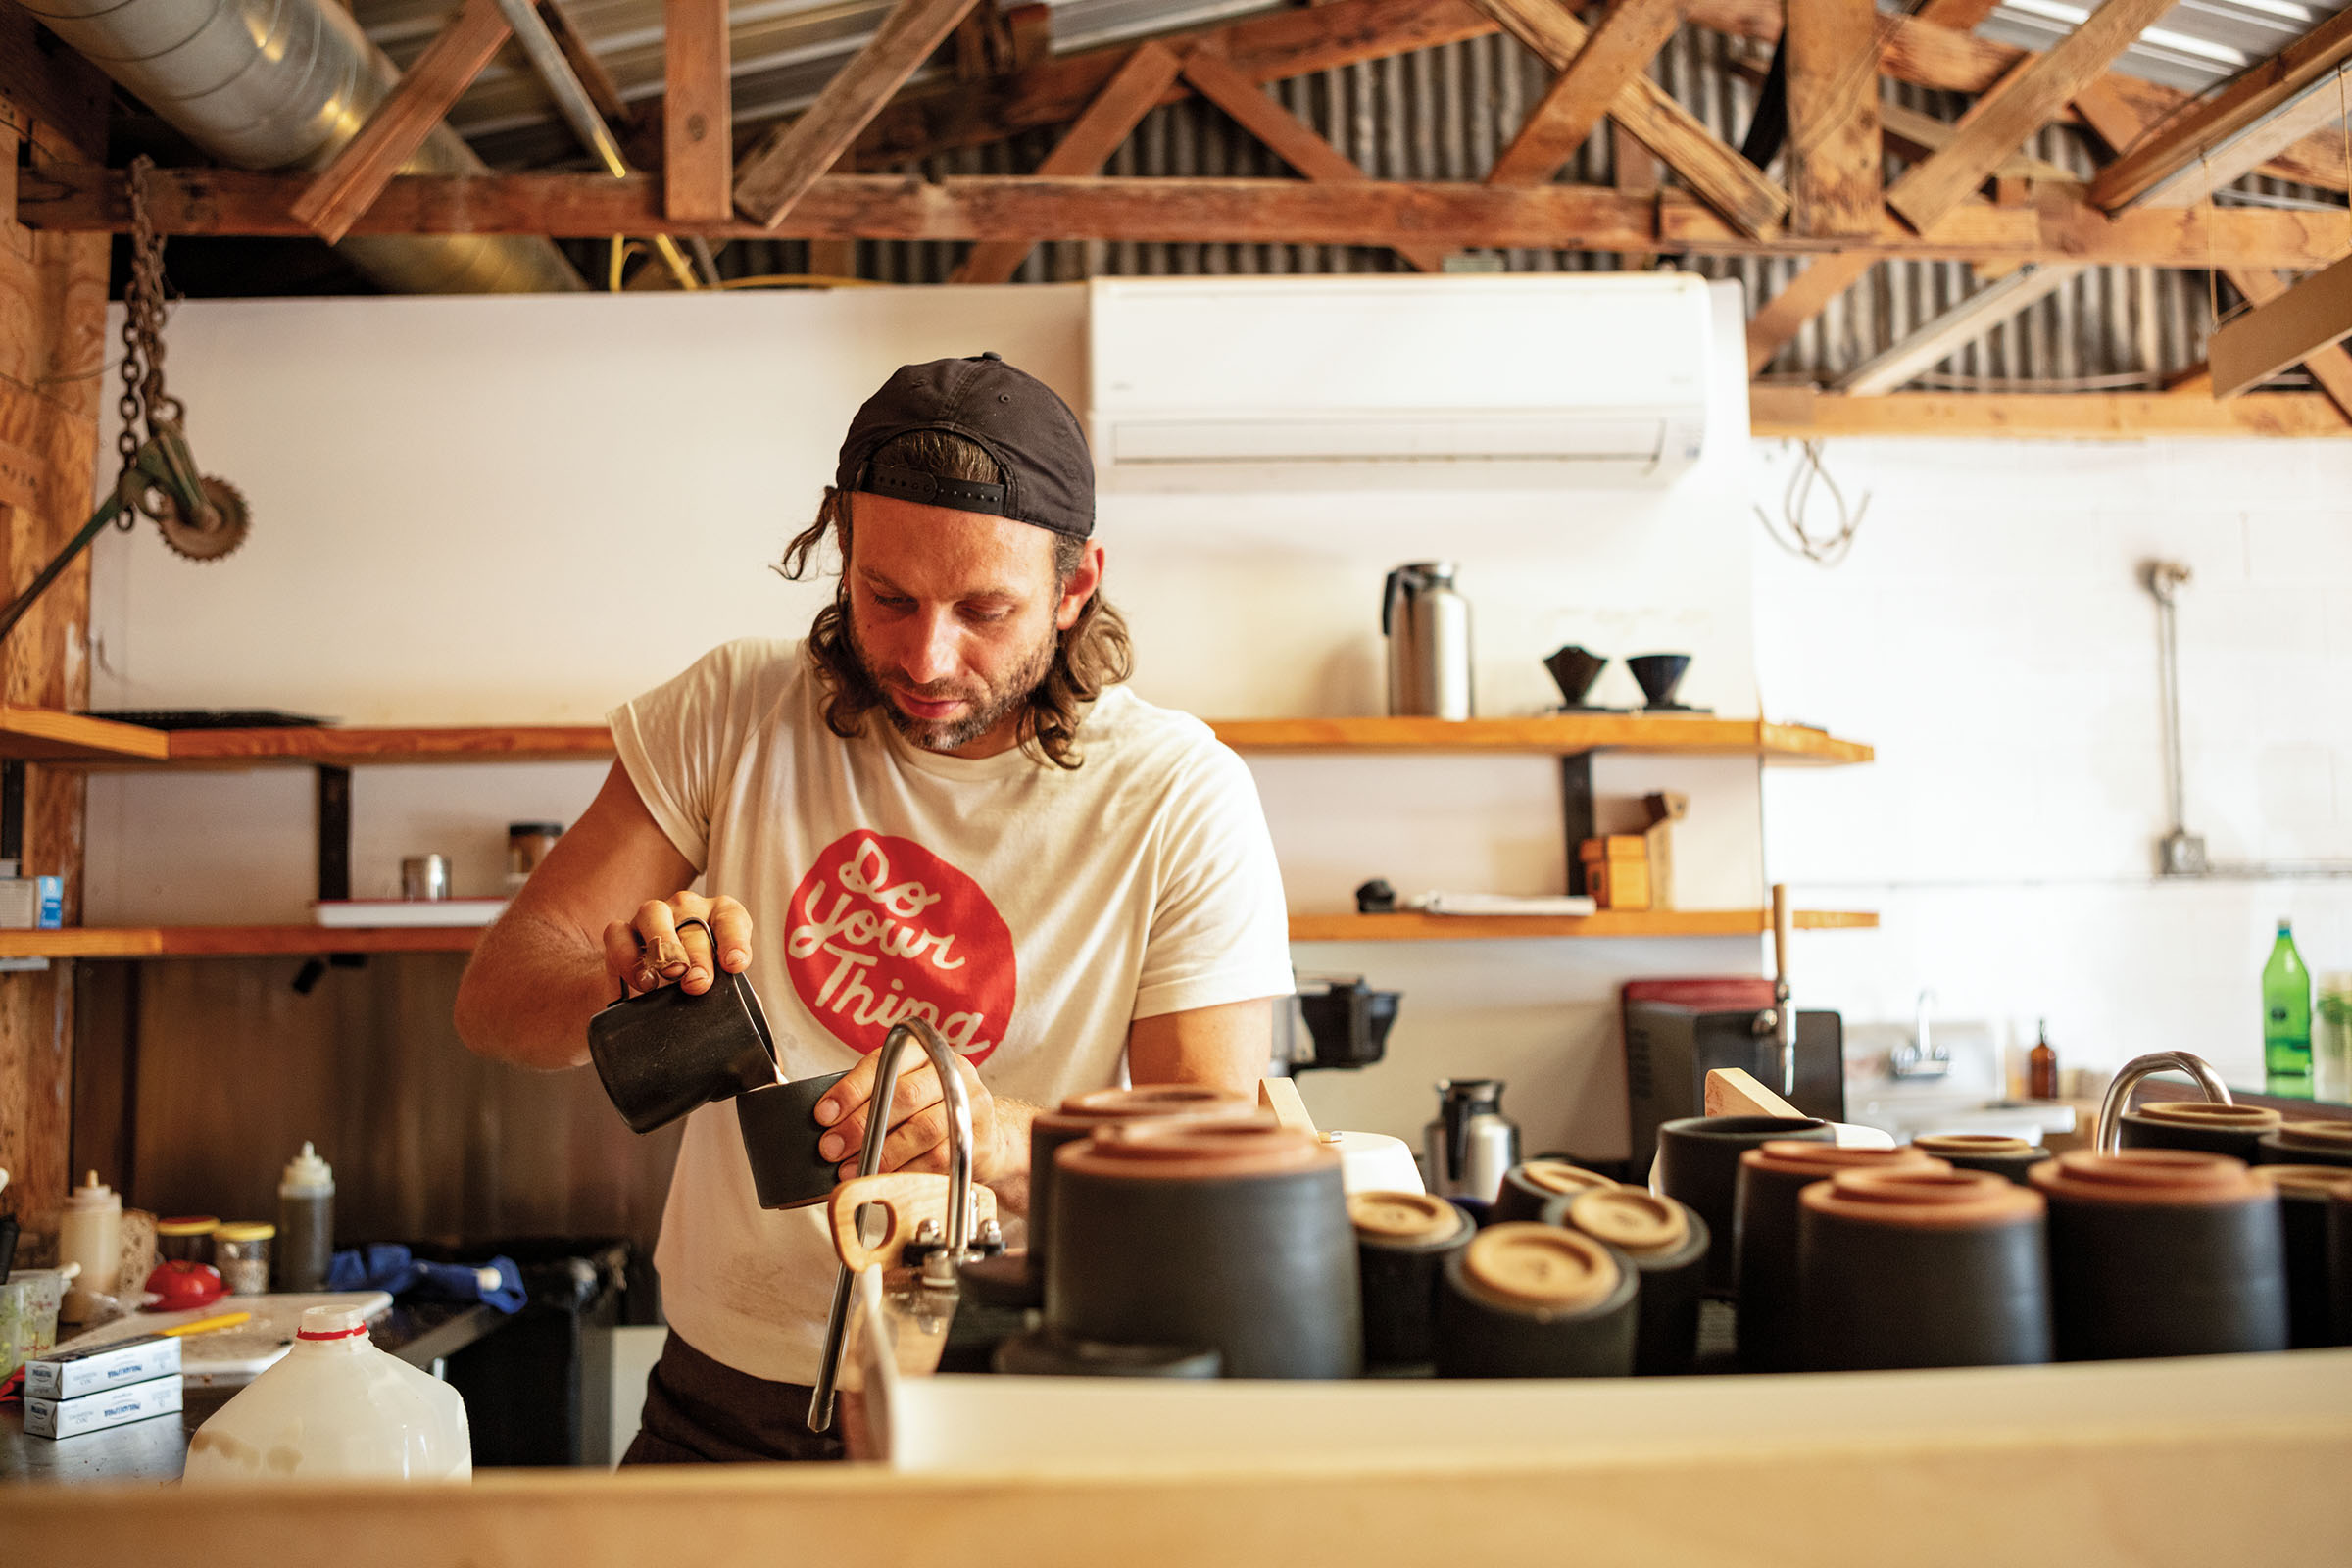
pixel 1659 675
pixel 1574 670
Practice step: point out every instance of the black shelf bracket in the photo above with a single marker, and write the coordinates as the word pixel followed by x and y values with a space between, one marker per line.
pixel 1576 810
pixel 12 811
pixel 334 832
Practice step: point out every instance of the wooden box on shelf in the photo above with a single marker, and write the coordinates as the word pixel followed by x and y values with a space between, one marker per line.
pixel 1617 871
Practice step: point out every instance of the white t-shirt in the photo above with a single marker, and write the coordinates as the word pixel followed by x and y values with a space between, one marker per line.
pixel 1030 911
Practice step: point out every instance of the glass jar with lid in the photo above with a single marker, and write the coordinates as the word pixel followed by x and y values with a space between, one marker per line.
pixel 186 1238
pixel 242 1253
pixel 528 844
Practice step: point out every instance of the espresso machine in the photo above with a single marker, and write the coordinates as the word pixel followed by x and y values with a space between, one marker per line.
pixel 1678 1031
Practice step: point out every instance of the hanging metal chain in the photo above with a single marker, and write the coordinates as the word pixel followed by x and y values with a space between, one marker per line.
pixel 144 400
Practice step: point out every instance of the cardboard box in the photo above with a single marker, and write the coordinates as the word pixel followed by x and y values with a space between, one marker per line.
pixel 95 1412
pixel 71 1374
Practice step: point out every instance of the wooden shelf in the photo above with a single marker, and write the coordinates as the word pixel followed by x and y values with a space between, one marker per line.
pixel 1411 927
pixel 1557 733
pixel 41 735
pixel 296 941
pixel 70 738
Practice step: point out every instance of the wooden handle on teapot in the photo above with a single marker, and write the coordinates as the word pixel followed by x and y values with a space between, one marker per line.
pixel 906 1198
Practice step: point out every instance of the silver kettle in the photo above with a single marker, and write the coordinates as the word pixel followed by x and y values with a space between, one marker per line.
pixel 1472 1143
pixel 1428 627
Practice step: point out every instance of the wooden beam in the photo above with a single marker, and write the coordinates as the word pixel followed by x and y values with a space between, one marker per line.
pixel 2313 315
pixel 1711 167
pixel 1292 139
pixel 1776 324
pixel 1618 50
pixel 1107 121
pixel 1961 15
pixel 2247 113
pixel 1935 342
pixel 1295 42
pixel 1921 135
pixel 345 188
pixel 698 147
pixel 797 155
pixel 2023 102
pixel 1798 414
pixel 1915 50
pixel 1835 156
pixel 595 79
pixel 55 88
pixel 221 201
pixel 2330 367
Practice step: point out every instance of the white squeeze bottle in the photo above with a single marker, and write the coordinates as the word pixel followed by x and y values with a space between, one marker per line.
pixel 336 1407
pixel 89 1232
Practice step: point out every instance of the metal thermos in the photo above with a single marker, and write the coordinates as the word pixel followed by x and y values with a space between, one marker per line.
pixel 1428 627
pixel 1472 1143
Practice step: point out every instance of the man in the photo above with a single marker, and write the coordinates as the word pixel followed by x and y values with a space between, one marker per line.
pixel 941 804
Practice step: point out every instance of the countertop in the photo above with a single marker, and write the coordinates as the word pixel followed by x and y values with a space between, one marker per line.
pixel 157 1450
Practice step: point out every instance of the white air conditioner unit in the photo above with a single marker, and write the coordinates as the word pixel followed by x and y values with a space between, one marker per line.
pixel 1374 382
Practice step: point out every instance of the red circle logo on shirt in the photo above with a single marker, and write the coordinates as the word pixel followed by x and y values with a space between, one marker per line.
pixel 883 929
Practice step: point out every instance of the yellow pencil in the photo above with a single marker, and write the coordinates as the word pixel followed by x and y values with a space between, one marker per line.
pixel 204 1324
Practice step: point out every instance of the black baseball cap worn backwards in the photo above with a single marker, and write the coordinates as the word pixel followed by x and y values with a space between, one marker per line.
pixel 1016 419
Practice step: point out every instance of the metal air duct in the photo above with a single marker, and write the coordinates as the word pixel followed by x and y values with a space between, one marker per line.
pixel 275 84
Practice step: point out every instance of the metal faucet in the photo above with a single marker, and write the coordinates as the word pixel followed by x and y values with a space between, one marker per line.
pixel 2109 1136
pixel 939 1267
pixel 1922 1058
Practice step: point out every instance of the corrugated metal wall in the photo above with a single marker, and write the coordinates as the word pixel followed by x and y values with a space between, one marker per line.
pixel 1445 114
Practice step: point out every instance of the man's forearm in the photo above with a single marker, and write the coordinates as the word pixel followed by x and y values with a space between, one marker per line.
pixel 530 993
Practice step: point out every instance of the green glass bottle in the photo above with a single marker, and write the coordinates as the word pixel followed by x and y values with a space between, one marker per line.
pixel 2287 1018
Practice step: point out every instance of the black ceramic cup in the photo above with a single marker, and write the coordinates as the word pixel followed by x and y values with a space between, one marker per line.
pixel 1765 1215
pixel 1044 1353
pixel 1530 1186
pixel 2162 1252
pixel 1081 1114
pixel 1698 1167
pixel 1233 1236
pixel 1666 1245
pixel 780 1135
pixel 1920 1268
pixel 2009 1157
pixel 1403 1241
pixel 2308 1143
pixel 2304 1192
pixel 2200 1125
pixel 1532 1300
pixel 663 1053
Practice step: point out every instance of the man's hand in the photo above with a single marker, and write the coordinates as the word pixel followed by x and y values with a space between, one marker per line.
pixel 918 1122
pixel 649 950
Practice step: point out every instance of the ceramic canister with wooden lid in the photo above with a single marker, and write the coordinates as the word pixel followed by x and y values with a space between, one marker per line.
pixel 1403 1241
pixel 1534 1301
pixel 2009 1157
pixel 1770 1178
pixel 1081 1114
pixel 1666 1243
pixel 1698 1166
pixel 2162 1252
pixel 2308 1143
pixel 1529 1185
pixel 2198 1124
pixel 2303 1222
pixel 1920 1268
pixel 1229 1235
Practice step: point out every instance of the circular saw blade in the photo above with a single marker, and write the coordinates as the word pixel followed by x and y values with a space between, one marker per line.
pixel 200 543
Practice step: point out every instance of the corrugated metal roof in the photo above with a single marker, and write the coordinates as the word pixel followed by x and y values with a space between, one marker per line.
pixel 2192 46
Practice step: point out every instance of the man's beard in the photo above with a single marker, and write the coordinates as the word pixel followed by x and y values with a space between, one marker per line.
pixel 988 705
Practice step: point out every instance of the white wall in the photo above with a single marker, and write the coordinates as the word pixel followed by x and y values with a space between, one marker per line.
pixel 1990 636
pixel 527 510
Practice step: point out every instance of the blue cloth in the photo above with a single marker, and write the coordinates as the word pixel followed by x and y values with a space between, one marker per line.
pixel 387 1266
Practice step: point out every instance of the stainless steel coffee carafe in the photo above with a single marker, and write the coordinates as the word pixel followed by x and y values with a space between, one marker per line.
pixel 1428 627
pixel 1472 1143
